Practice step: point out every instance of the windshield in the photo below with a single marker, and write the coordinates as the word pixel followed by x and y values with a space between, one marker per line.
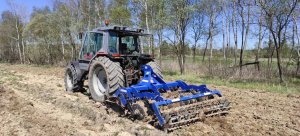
pixel 123 44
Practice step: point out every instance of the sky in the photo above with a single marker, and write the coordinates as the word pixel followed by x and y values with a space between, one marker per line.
pixel 27 4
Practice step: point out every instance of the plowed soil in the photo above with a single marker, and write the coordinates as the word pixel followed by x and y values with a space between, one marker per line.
pixel 33 102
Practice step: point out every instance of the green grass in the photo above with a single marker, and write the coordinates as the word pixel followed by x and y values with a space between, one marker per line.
pixel 291 85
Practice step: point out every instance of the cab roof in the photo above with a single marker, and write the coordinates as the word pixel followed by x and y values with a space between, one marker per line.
pixel 122 29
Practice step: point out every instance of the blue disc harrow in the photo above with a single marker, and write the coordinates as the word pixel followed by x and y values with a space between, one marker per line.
pixel 171 104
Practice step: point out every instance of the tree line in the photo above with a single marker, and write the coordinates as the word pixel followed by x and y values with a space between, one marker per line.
pixel 186 27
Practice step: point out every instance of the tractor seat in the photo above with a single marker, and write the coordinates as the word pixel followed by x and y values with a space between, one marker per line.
pixel 123 48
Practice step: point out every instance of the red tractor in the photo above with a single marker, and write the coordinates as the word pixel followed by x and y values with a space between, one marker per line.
pixel 112 62
pixel 110 58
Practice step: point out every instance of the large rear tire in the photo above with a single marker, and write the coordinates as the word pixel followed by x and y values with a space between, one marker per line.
pixel 105 77
pixel 72 83
pixel 156 68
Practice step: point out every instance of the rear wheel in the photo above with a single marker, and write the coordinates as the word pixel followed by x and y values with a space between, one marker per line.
pixel 105 77
pixel 156 68
pixel 71 80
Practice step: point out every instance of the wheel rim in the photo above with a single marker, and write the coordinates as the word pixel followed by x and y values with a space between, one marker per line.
pixel 99 80
pixel 69 81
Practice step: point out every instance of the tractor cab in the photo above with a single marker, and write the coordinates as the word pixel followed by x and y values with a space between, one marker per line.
pixel 112 41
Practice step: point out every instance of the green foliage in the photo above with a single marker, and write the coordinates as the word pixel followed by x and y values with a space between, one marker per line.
pixel 120 13
pixel 50 37
pixel 9 35
pixel 166 48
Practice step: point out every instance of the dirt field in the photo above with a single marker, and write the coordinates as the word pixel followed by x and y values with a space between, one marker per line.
pixel 33 102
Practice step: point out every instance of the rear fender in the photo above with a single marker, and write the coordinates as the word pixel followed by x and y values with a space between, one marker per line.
pixel 98 54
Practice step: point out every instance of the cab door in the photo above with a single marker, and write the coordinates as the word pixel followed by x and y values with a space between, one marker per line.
pixel 92 43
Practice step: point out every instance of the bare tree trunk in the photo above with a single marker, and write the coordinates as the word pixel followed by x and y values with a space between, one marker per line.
pixel 12 47
pixel 194 53
pixel 159 55
pixel 210 56
pixel 179 47
pixel 234 29
pixel 147 25
pixel 206 43
pixel 179 58
pixel 210 35
pixel 49 51
pixel 183 52
pixel 152 38
pixel 235 45
pixel 159 48
pixel 279 63
pixel 23 49
pixel 293 46
pixel 244 38
pixel 269 56
pixel 277 47
pixel 242 44
pixel 298 64
pixel 194 47
pixel 259 42
pixel 182 64
pixel 97 9
pixel 62 47
pixel 227 51
pixel 73 45
pixel 223 36
pixel 18 40
pixel 227 36
pixel 247 28
pixel 298 41
pixel 152 45
pixel 89 14
pixel 210 44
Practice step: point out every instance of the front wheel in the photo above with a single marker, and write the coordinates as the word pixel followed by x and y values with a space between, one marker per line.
pixel 72 83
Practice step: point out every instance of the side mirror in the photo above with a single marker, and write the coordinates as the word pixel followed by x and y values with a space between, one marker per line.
pixel 80 35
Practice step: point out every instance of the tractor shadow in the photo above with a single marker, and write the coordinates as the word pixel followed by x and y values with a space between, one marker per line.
pixel 85 91
pixel 112 106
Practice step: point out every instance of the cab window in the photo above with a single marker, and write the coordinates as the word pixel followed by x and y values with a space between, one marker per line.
pixel 92 44
pixel 123 44
pixel 113 43
pixel 131 43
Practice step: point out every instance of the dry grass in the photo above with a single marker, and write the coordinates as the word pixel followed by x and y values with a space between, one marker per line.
pixel 221 74
pixel 228 70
